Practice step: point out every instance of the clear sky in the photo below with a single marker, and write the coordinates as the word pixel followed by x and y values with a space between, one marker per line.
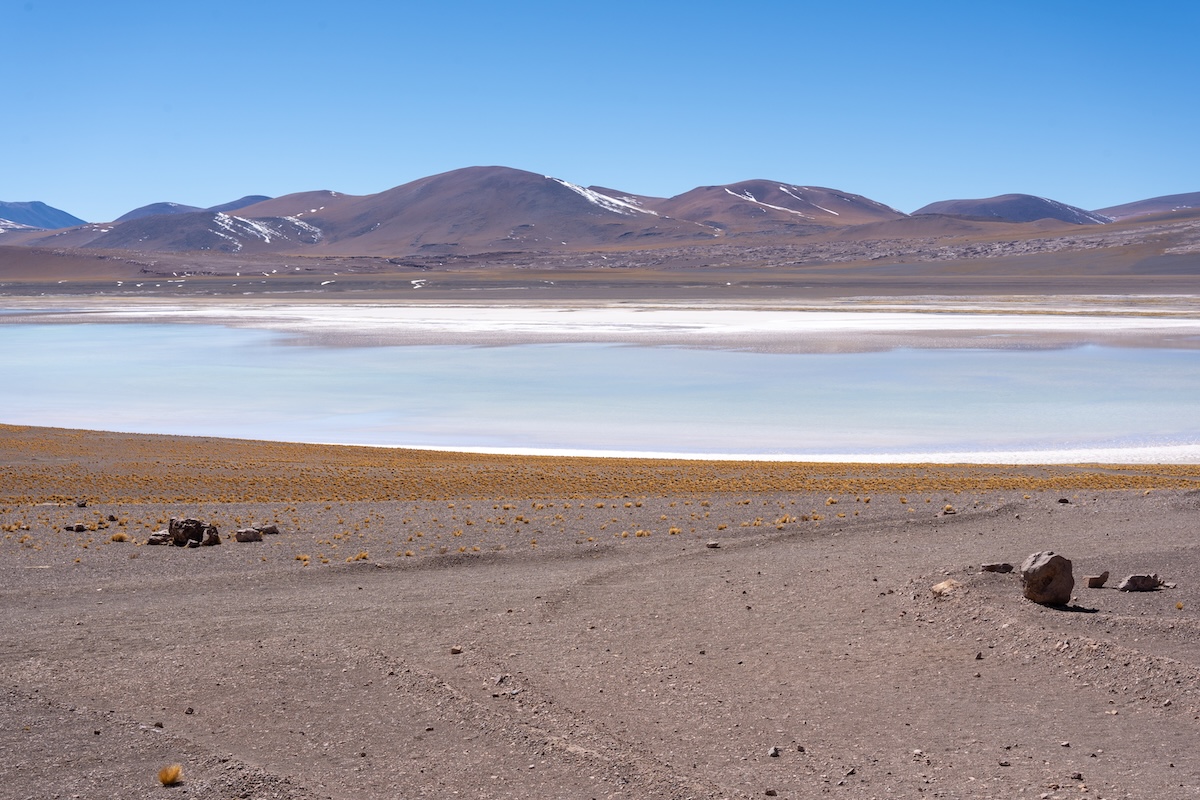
pixel 108 106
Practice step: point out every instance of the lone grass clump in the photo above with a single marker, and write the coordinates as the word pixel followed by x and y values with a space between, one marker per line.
pixel 171 775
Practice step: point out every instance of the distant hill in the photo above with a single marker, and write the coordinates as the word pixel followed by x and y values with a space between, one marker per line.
pixel 1015 208
pixel 241 202
pixel 1153 205
pixel 156 209
pixel 38 215
pixel 763 206
pixel 164 209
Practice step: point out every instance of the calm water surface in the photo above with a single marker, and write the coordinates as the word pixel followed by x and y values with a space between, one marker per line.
pixel 209 380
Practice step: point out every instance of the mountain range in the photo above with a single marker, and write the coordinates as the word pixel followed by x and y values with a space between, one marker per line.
pixel 498 209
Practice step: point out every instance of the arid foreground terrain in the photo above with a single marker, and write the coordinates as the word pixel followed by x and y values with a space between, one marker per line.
pixel 441 625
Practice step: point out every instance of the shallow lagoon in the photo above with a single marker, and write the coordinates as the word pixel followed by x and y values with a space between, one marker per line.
pixel 953 404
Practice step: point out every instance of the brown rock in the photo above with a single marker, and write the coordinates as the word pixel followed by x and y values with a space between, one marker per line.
pixel 159 537
pixel 1140 583
pixel 209 536
pixel 1047 578
pixel 1000 566
pixel 1097 581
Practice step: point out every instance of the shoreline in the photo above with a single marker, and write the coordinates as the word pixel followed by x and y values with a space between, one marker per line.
pixel 857 324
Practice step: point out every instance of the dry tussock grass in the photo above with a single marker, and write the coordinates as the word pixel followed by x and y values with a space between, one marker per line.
pixel 43 465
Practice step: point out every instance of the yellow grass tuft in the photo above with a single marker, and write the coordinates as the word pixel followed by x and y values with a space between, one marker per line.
pixel 171 775
pixel 119 537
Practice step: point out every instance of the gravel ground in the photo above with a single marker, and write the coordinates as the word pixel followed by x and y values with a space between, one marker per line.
pixel 507 639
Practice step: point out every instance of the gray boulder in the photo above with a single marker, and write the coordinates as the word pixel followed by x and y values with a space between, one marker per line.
pixel 248 535
pixel 1047 579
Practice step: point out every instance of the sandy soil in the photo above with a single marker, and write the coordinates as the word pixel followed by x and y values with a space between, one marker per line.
pixel 438 624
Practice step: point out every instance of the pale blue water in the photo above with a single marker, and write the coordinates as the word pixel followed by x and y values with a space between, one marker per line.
pixel 210 380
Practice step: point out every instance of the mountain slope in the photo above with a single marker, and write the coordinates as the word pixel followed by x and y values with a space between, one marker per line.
pixel 241 202
pixel 1015 208
pixel 761 206
pixel 1153 205
pixel 36 214
pixel 156 209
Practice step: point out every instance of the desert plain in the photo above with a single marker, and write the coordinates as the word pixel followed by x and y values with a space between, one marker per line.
pixel 432 624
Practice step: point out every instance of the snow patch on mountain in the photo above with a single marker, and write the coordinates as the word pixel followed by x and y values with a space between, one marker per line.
pixel 604 201
pixel 746 195
pixel 8 225
pixel 1078 214
pixel 788 191
pixel 236 230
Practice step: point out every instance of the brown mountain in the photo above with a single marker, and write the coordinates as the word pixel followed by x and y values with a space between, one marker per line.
pixel 1015 208
pixel 157 209
pixel 762 207
pixel 1153 205
pixel 477 209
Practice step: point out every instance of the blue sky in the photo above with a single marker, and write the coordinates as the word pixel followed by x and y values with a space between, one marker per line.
pixel 112 105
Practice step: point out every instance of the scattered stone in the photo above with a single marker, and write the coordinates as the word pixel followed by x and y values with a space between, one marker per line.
pixel 111 518
pixel 268 530
pixel 81 503
pixel 771 793
pixel 455 650
pixel 1064 501
pixel 1140 583
pixel 1005 763
pixel 946 588
pixel 159 537
pixel 979 656
pixel 76 527
pixel 774 752
pixel 247 535
pixel 999 566
pixel 1076 776
pixel 712 544
pixel 1097 581
pixel 192 533
pixel 1047 578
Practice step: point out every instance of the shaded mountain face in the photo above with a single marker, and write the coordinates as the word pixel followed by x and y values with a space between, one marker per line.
pixel 157 209
pixel 241 202
pixel 204 230
pixel 761 206
pixel 165 209
pixel 38 215
pixel 1153 205
pixel 1015 208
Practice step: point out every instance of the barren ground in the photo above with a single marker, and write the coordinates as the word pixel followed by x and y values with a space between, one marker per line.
pixel 605 649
